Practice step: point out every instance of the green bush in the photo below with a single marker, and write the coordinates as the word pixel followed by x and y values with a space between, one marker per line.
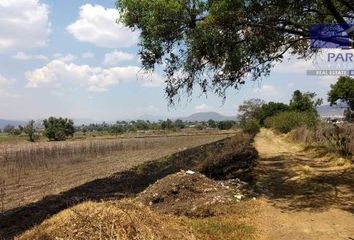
pixel 58 129
pixel 286 121
pixel 251 126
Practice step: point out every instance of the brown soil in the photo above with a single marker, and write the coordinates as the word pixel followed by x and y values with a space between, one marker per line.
pixel 307 194
pixel 188 194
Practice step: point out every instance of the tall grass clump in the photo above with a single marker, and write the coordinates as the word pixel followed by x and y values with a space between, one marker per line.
pixel 284 122
pixel 336 138
pixel 251 126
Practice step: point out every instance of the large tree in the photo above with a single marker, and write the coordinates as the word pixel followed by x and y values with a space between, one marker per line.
pixel 343 91
pixel 218 44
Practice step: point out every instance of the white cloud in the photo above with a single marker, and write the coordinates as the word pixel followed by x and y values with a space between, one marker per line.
pixel 97 25
pixel 267 91
pixel 24 25
pixel 96 79
pixel 26 57
pixel 326 81
pixel 202 108
pixel 88 55
pixel 67 58
pixel 5 83
pixel 116 57
pixel 294 65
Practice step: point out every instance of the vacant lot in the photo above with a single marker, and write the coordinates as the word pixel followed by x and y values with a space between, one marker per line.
pixel 31 171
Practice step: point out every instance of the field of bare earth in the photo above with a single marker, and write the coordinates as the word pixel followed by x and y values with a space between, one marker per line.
pixel 30 172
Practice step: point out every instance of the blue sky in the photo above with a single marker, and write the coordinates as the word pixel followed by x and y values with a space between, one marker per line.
pixel 69 58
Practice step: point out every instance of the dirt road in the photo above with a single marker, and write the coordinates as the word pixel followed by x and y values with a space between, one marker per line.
pixel 307 194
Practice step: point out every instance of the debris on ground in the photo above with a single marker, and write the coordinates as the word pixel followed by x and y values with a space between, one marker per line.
pixel 184 193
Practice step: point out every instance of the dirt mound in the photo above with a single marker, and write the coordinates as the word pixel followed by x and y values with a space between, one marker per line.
pixel 124 219
pixel 188 193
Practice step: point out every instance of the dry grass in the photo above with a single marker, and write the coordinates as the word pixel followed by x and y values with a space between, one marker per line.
pixel 229 221
pixel 124 220
pixel 31 171
pixel 128 219
pixel 339 140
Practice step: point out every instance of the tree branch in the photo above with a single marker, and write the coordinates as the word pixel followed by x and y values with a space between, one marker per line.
pixel 330 6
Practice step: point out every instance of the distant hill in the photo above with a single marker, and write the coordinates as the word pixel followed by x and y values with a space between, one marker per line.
pixel 4 122
pixel 326 111
pixel 205 116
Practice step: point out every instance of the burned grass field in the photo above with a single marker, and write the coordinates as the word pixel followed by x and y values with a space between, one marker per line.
pixel 30 172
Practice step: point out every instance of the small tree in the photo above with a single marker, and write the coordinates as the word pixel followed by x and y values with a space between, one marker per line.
pixel 343 91
pixel 116 129
pixel 270 109
pixel 304 102
pixel 179 124
pixel 168 124
pixel 212 123
pixel 250 109
pixel 58 129
pixel 225 125
pixel 251 126
pixel 30 131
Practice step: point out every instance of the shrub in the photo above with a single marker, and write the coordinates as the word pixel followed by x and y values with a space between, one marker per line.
pixel 58 129
pixel 225 125
pixel 286 121
pixel 251 126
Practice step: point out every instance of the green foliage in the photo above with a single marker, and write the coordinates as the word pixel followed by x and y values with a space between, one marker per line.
pixel 343 91
pixel 225 125
pixel 284 122
pixel 250 109
pixel 30 131
pixel 257 110
pixel 179 124
pixel 116 129
pixel 251 126
pixel 168 124
pixel 58 129
pixel 304 102
pixel 270 109
pixel 217 44
pixel 212 123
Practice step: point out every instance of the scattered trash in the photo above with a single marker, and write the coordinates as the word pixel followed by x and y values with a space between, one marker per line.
pixel 190 172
